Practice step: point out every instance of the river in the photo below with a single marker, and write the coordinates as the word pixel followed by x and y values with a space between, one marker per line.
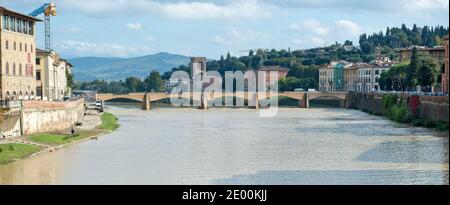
pixel 235 146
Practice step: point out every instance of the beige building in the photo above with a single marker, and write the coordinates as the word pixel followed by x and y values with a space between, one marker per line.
pixel 17 54
pixel 51 76
pixel 326 78
pixel 369 76
pixel 351 78
pixel 437 53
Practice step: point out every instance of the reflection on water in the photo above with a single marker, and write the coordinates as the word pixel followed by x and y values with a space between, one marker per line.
pixel 235 146
pixel 339 177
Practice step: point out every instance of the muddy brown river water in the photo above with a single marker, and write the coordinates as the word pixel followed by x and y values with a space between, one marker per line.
pixel 235 146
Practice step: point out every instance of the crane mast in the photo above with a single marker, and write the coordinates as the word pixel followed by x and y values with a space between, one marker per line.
pixel 48 9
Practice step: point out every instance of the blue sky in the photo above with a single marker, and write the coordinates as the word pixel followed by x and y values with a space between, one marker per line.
pixel 128 28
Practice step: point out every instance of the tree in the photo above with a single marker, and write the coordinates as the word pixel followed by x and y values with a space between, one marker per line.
pixel 133 83
pixel 348 43
pixel 411 73
pixel 394 78
pixel 228 56
pixel 428 72
pixel 69 77
pixel 367 48
pixel 153 82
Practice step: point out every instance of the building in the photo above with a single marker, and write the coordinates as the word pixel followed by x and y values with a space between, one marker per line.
pixel 325 78
pixel 368 75
pixel 331 76
pixel 356 77
pixel 377 69
pixel 437 53
pixel 51 76
pixel 445 75
pixel 282 73
pixel 17 54
pixel 351 78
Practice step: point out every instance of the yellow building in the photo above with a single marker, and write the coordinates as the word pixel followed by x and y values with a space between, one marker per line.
pixel 51 78
pixel 351 78
pixel 17 54
pixel 437 53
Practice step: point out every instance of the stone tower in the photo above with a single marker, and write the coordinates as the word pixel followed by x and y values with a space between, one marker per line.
pixel 198 66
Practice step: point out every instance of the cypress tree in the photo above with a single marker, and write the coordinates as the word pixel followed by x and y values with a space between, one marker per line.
pixel 411 79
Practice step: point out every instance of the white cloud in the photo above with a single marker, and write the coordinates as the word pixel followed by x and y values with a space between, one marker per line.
pixel 348 27
pixel 237 9
pixel 426 5
pixel 134 26
pixel 207 10
pixel 311 26
pixel 78 48
pixel 234 36
pixel 73 29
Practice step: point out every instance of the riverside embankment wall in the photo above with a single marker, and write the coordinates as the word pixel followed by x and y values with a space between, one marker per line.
pixel 423 107
pixel 45 116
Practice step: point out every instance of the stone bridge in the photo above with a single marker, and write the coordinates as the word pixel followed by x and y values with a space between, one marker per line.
pixel 302 97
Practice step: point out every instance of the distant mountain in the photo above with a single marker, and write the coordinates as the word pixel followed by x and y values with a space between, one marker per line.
pixel 92 68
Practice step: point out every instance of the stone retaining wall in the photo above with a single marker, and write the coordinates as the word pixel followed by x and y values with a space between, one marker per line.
pixel 45 116
pixel 430 107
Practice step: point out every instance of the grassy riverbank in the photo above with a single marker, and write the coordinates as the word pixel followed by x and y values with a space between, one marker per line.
pixel 12 151
pixel 58 139
pixel 109 123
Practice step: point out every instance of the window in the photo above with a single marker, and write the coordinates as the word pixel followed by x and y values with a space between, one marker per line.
pixel 20 69
pixel 14 69
pixel 13 24
pixel 7 44
pixel 38 75
pixel 38 61
pixel 31 49
pixel 7 68
pixel 38 90
pixel 19 25
pixel 24 27
pixel 15 45
pixel 5 22
pixel 26 48
pixel 30 28
pixel 20 46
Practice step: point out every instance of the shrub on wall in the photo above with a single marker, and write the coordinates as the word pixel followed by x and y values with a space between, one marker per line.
pixel 389 100
pixel 400 113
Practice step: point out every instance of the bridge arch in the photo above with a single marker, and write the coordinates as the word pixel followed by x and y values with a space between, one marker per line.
pixel 340 96
pixel 109 97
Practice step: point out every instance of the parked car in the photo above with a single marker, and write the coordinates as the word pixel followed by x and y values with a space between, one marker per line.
pixel 99 105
